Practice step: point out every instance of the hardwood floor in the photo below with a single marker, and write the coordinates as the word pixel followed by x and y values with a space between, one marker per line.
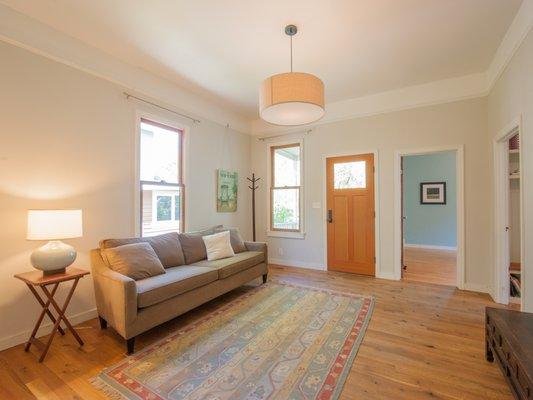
pixel 430 266
pixel 424 341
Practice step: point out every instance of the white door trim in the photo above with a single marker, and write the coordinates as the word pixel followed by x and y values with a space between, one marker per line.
pixel 377 244
pixel 500 290
pixel 459 160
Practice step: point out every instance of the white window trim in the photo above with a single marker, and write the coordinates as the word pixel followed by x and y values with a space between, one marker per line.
pixel 165 119
pixel 282 234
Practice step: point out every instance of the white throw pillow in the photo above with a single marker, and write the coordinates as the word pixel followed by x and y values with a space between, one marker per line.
pixel 218 246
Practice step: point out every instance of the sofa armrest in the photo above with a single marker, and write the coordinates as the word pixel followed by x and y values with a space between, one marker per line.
pixel 258 246
pixel 116 295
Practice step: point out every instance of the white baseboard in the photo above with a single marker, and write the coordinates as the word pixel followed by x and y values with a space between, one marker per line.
pixel 474 287
pixel 22 337
pixel 429 246
pixel 386 275
pixel 298 264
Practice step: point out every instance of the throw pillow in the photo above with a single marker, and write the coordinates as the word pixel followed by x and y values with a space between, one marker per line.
pixel 193 246
pixel 237 243
pixel 218 246
pixel 136 260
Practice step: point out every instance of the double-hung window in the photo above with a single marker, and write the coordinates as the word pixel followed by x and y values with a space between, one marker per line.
pixel 161 178
pixel 285 188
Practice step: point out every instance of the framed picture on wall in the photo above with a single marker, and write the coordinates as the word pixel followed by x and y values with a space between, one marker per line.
pixel 433 193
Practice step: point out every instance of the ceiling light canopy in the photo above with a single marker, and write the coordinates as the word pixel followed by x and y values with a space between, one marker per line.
pixel 291 98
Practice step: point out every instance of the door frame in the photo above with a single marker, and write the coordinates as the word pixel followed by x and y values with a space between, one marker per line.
pixel 459 171
pixel 377 241
pixel 500 291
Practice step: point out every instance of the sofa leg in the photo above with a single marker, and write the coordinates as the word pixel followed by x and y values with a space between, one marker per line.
pixel 103 323
pixel 265 276
pixel 130 345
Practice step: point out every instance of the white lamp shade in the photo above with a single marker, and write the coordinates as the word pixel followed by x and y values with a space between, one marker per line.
pixel 54 224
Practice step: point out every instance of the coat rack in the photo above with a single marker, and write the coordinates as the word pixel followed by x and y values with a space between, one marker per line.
pixel 253 188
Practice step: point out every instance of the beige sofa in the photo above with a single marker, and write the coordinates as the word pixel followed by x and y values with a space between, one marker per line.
pixel 132 307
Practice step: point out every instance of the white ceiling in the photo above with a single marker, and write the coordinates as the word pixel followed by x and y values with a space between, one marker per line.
pixel 225 48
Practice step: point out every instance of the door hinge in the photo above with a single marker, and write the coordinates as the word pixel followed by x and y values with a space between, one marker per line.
pixel 374 259
pixel 374 214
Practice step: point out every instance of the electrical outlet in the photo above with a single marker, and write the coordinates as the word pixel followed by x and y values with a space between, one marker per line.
pixel 280 251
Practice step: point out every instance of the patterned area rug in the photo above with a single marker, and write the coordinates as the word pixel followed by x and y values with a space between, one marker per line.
pixel 278 341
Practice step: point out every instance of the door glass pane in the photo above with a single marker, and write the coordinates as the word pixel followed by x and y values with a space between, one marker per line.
pixel 350 175
pixel 286 209
pixel 159 154
pixel 287 166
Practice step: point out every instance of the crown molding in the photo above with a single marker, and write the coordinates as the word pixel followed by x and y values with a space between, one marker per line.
pixel 437 92
pixel 515 35
pixel 25 32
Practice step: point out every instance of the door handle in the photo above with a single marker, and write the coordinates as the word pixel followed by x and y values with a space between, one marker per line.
pixel 330 216
pixel 506 229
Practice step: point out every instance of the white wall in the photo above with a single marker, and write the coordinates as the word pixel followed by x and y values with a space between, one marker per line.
pixel 451 124
pixel 512 97
pixel 67 141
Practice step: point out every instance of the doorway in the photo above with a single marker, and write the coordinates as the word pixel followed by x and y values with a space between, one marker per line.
pixel 509 217
pixel 351 214
pixel 429 214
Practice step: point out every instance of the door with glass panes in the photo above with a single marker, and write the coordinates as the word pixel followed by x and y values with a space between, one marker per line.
pixel 351 214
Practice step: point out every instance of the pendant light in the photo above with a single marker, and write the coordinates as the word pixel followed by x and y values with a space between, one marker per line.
pixel 291 98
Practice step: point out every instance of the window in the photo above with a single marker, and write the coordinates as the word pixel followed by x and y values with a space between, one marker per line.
pixel 350 175
pixel 162 189
pixel 285 188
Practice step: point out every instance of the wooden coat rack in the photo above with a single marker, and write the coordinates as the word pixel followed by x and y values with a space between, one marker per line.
pixel 253 188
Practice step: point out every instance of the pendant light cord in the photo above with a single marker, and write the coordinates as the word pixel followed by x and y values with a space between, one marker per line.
pixel 291 53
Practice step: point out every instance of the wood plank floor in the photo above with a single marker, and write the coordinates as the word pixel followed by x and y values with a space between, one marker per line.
pixel 424 341
pixel 430 266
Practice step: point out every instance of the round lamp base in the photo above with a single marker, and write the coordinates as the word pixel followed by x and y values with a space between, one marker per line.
pixel 53 257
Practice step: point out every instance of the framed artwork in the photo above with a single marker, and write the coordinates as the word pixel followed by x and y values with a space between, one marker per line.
pixel 227 183
pixel 433 193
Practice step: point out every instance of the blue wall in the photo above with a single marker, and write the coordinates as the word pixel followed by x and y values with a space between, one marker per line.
pixel 430 224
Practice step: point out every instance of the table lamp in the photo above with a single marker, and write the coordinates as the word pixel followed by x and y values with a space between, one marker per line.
pixel 52 225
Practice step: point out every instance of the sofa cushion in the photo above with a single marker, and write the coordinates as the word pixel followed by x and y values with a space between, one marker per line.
pixel 230 266
pixel 135 260
pixel 193 245
pixel 237 243
pixel 166 246
pixel 176 281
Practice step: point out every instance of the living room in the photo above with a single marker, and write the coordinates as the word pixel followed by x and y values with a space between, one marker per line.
pixel 220 186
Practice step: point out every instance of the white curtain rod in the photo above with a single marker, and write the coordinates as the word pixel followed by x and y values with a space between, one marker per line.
pixel 128 95
pixel 284 134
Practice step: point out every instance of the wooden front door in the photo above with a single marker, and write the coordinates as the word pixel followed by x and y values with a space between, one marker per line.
pixel 351 214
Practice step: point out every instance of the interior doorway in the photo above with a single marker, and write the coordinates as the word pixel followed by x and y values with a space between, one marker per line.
pixel 509 217
pixel 351 214
pixel 429 217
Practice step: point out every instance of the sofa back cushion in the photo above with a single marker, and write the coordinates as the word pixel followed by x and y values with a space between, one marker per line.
pixel 166 246
pixel 237 243
pixel 193 245
pixel 135 260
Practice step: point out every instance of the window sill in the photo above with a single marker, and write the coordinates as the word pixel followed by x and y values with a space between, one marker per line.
pixel 286 235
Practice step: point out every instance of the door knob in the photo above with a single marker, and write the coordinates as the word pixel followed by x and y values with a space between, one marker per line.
pixel 330 216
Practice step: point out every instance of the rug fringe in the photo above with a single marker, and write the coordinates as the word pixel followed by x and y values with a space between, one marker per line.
pixel 105 388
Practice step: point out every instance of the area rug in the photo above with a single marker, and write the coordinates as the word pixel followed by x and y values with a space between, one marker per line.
pixel 278 341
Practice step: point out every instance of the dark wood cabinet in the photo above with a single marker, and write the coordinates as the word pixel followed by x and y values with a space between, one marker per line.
pixel 509 341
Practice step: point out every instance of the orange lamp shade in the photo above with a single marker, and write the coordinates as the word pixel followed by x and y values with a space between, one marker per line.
pixel 291 98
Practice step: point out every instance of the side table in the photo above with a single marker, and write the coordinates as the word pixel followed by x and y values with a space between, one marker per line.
pixel 36 279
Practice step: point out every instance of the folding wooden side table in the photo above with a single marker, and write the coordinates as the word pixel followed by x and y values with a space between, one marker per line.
pixel 36 279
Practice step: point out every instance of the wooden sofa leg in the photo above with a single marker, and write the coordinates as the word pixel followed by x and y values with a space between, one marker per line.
pixel 103 323
pixel 265 276
pixel 130 345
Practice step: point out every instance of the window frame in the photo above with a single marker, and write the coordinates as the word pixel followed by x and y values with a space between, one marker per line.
pixel 180 185
pixel 280 232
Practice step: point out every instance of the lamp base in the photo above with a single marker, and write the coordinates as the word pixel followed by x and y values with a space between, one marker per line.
pixel 53 257
pixel 54 272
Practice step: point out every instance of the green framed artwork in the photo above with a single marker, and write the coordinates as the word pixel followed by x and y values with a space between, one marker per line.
pixel 227 184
